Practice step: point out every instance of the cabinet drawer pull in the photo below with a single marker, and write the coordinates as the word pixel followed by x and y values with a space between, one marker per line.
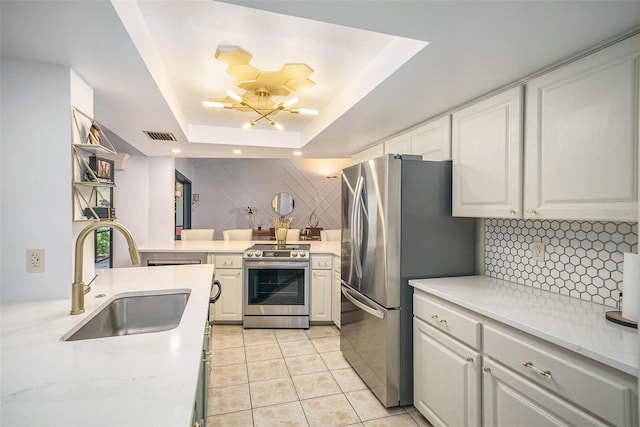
pixel 469 359
pixel 435 316
pixel 511 212
pixel 486 370
pixel 531 211
pixel 529 364
pixel 443 321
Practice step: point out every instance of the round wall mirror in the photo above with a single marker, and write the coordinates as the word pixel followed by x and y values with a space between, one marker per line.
pixel 282 203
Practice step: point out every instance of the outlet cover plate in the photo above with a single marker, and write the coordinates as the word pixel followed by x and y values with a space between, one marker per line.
pixel 537 251
pixel 35 260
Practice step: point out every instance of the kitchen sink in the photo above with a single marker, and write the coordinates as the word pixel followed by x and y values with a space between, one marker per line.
pixel 133 313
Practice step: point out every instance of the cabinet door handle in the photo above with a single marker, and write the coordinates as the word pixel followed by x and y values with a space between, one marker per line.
pixel 486 370
pixel 532 211
pixel 511 212
pixel 434 316
pixel 529 364
pixel 443 321
pixel 469 359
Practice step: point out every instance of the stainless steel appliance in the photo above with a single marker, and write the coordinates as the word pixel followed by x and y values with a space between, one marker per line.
pixel 159 258
pixel 396 226
pixel 276 286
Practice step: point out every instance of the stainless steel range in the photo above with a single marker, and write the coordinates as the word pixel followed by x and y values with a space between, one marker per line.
pixel 276 286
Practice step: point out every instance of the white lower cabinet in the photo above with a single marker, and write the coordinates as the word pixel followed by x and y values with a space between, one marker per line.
pixel 446 378
pixel 336 291
pixel 510 400
pixel 229 272
pixel 321 283
pixel 472 370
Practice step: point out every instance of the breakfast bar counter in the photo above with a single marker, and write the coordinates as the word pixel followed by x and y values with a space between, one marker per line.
pixel 146 379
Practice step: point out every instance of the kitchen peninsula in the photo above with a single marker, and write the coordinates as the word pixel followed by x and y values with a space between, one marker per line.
pixel 144 379
pixel 232 247
pixel 227 256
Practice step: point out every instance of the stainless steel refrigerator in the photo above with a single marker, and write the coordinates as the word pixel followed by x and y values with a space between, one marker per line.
pixel 396 226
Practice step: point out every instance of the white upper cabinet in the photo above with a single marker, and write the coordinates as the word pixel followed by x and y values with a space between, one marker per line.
pixel 582 138
pixel 400 144
pixel 486 150
pixel 433 140
pixel 368 154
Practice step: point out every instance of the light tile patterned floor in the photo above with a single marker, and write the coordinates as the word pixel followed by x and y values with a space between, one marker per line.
pixel 293 377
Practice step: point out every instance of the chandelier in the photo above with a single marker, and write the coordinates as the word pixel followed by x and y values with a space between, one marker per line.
pixel 260 86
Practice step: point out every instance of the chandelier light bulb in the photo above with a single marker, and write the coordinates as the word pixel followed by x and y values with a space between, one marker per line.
pixel 290 102
pixel 233 95
pixel 213 104
pixel 308 111
pixel 278 126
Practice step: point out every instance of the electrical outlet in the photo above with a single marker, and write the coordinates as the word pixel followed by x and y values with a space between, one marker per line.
pixel 35 260
pixel 537 251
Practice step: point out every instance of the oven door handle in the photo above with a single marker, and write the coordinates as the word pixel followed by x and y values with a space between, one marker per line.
pixel 276 264
pixel 214 298
pixel 361 304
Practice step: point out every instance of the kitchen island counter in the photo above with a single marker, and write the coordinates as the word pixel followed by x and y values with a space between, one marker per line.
pixel 135 380
pixel 571 323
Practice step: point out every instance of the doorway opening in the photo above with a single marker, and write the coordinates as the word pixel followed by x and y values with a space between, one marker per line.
pixel 103 245
pixel 183 204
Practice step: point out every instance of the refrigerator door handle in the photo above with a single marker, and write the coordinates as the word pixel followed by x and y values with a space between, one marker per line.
pixel 361 305
pixel 355 225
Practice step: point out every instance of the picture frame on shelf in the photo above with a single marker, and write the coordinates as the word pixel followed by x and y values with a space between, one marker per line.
pixel 93 136
pixel 101 169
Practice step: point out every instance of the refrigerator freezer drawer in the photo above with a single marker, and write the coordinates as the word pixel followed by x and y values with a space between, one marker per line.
pixel 370 341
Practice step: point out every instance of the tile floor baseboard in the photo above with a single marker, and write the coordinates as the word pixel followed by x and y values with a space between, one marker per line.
pixel 292 377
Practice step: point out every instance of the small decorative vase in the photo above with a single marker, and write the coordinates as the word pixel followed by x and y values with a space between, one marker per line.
pixel 281 226
pixel 281 236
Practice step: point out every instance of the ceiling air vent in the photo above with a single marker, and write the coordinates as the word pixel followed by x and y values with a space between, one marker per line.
pixel 160 136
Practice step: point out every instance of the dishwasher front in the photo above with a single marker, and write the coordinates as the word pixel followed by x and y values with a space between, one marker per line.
pixel 153 259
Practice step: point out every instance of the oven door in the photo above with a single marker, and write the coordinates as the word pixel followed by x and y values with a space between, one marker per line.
pixel 276 288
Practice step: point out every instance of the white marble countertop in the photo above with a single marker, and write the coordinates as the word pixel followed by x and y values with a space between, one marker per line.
pixel 134 380
pixel 234 246
pixel 569 322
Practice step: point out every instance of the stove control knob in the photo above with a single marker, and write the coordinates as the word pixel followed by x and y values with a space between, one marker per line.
pixel 294 254
pixel 303 254
pixel 249 254
pixel 257 253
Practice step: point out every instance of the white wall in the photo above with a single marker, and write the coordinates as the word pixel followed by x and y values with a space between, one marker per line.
pixel 162 178
pixel 35 159
pixel 144 203
pixel 131 201
pixel 185 167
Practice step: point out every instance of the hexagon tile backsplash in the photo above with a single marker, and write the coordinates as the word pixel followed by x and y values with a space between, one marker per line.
pixel 582 259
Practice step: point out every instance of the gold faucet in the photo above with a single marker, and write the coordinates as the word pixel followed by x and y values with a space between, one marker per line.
pixel 78 287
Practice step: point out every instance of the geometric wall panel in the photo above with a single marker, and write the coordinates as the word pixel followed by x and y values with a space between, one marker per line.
pixel 228 186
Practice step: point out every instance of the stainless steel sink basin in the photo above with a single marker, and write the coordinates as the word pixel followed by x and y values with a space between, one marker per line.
pixel 139 313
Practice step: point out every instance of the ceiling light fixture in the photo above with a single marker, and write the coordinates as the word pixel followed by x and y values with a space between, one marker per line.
pixel 260 87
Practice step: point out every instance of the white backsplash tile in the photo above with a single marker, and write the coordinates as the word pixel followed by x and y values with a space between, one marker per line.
pixel 583 259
